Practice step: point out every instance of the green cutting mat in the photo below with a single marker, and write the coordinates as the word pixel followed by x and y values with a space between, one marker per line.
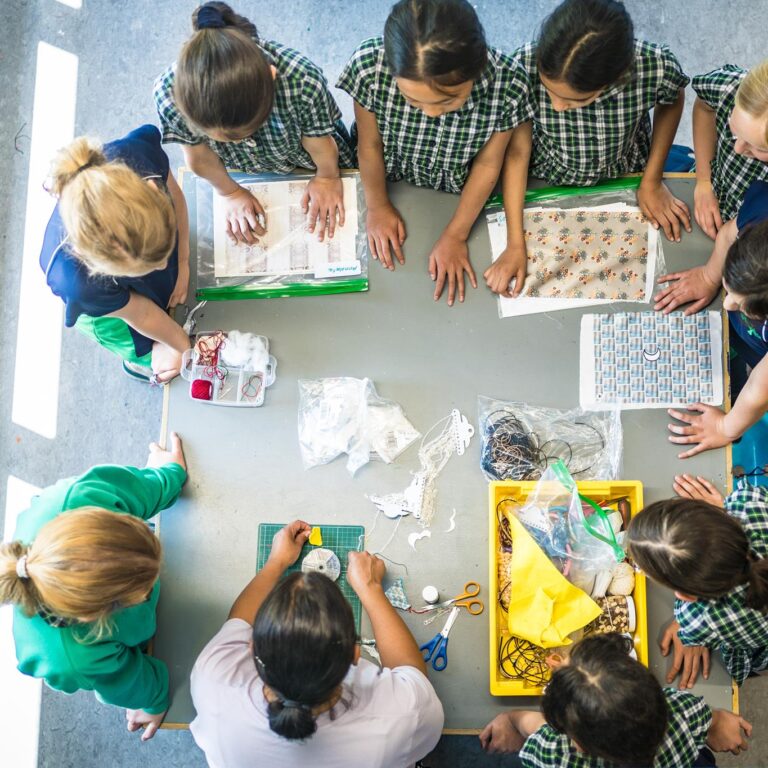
pixel 340 539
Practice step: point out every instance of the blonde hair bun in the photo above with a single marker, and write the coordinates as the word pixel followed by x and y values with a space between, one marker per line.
pixel 71 160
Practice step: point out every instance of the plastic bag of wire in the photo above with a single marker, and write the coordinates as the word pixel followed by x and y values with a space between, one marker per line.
pixel 568 526
pixel 520 441
pixel 288 260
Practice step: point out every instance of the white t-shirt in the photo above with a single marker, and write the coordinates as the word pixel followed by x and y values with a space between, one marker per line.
pixel 394 719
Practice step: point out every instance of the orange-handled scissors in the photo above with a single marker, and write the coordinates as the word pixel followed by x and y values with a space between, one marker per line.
pixel 468 599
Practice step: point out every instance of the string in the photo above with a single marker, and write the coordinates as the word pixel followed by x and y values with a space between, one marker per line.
pixel 249 390
pixel 521 660
pixel 512 451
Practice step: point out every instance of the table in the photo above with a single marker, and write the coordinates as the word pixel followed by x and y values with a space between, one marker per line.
pixel 245 467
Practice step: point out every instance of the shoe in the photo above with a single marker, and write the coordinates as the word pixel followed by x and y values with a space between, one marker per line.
pixel 136 371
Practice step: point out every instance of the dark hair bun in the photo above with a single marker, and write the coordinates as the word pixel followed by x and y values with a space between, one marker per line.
pixel 293 722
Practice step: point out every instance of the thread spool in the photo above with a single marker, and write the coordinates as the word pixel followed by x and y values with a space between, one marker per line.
pixel 201 389
pixel 430 595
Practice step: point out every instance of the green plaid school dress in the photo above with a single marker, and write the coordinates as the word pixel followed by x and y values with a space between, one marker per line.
pixel 609 137
pixel 731 173
pixel 689 722
pixel 303 106
pixel 427 151
pixel 727 624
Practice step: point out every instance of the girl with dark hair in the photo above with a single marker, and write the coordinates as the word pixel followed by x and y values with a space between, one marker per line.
pixel 739 263
pixel 592 86
pixel 602 708
pixel 434 106
pixel 716 563
pixel 283 682
pixel 235 100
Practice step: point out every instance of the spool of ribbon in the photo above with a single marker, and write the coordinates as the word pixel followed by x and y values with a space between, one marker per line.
pixel 201 389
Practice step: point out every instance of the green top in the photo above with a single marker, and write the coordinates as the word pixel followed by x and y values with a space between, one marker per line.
pixel 115 668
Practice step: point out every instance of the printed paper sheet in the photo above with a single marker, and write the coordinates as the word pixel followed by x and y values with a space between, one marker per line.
pixel 631 360
pixel 287 248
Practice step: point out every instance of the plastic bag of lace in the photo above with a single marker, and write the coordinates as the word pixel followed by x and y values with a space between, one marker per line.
pixel 346 415
pixel 520 441
pixel 571 529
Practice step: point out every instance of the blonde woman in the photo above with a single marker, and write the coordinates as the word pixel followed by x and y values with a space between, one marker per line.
pixel 82 572
pixel 116 249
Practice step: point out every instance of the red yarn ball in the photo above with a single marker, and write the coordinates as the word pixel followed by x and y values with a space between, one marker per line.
pixel 202 389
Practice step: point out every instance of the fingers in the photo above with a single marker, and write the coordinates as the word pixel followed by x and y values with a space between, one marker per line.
pixel 692 663
pixel 452 287
pixel 250 226
pixel 305 200
pixel 718 219
pixel 384 255
pixel 334 214
pixel 696 307
pixel 342 213
pixel 485 736
pixel 150 731
pixel 705 659
pixel 313 214
pixel 666 641
pixel 668 225
pixel 746 727
pixel 175 443
pixel 397 248
pixel 670 277
pixel 677 663
pixel 692 452
pixel 472 279
pixel 682 212
pixel 682 416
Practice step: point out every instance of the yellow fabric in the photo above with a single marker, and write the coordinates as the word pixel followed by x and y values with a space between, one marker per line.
pixel 316 537
pixel 544 607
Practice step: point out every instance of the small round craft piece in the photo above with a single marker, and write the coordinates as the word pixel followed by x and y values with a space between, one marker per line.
pixel 430 594
pixel 323 561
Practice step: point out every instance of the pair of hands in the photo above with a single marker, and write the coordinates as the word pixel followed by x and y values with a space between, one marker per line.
pixel 323 203
pixel 364 570
pixel 448 261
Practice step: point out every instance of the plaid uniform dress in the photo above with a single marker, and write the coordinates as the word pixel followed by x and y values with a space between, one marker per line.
pixel 427 151
pixel 731 173
pixel 303 106
pixel 740 633
pixel 609 137
pixel 689 722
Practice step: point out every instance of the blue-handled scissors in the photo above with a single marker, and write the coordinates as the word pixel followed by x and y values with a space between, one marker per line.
pixel 436 650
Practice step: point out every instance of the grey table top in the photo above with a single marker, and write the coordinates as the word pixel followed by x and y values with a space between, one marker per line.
pixel 245 467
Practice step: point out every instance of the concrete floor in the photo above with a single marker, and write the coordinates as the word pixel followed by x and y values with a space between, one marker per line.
pixel 103 416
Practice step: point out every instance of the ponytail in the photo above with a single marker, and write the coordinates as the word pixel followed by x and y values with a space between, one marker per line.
pixel 291 720
pixel 757 578
pixel 116 223
pixel 752 94
pixel 224 81
pixel 15 587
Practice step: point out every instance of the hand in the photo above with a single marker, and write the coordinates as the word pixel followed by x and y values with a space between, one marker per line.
pixel 166 362
pixel 726 734
pixel 687 658
pixel 448 262
pixel 245 217
pixel 386 229
pixel 159 457
pixel 697 488
pixel 180 290
pixel 663 209
pixel 138 718
pixel 500 735
pixel 706 209
pixel 365 571
pixel 323 200
pixel 511 265
pixel 287 544
pixel 706 430
pixel 692 285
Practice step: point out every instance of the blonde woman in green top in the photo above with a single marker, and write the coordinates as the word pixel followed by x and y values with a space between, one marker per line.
pixel 82 573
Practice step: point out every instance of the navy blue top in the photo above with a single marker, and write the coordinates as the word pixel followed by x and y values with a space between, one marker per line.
pixel 753 210
pixel 97 295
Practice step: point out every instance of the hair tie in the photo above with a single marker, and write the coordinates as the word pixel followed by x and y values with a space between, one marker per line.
pixel 290 704
pixel 89 164
pixel 21 567
pixel 210 17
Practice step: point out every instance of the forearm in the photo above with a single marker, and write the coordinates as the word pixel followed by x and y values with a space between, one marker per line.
pixel 324 154
pixel 373 174
pixel 726 237
pixel 204 162
pixel 394 640
pixel 750 405
pixel 182 220
pixel 480 183
pixel 251 598
pixel 144 316
pixel 666 118
pixel 526 722
pixel 704 140
pixel 514 180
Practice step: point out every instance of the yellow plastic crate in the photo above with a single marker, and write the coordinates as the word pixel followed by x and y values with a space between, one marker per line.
pixel 519 491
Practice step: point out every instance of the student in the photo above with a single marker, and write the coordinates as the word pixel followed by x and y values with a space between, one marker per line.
pixel 434 106
pixel 603 708
pixel 744 275
pixel 591 86
pixel 715 562
pixel 112 251
pixel 283 683
pixel 235 100
pixel 82 572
